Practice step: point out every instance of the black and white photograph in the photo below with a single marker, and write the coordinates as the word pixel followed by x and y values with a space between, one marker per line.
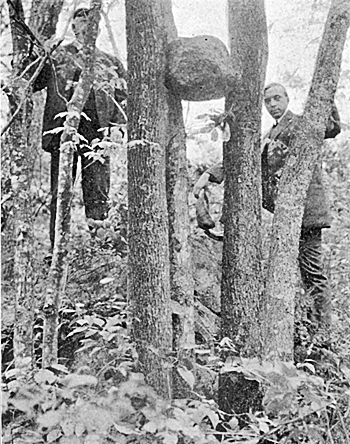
pixel 175 221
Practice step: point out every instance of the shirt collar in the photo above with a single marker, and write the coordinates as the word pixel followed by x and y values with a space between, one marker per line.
pixel 278 120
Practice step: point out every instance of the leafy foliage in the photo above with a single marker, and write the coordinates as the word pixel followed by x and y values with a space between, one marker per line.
pixel 66 409
pixel 62 407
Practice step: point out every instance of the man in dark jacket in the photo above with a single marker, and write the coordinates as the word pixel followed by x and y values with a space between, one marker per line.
pixel 316 212
pixel 102 108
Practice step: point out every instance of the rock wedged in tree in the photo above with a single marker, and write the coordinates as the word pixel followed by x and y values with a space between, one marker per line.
pixel 199 68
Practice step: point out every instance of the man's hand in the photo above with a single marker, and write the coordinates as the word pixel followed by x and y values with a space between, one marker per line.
pixel 201 183
pixel 118 133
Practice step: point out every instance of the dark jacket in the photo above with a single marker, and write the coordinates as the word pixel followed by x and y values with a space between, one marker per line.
pixel 316 211
pixel 99 107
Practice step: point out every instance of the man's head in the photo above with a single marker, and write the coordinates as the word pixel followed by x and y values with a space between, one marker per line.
pixel 80 22
pixel 276 99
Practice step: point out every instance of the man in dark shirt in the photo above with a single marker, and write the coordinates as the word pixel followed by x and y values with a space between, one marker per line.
pixel 102 108
pixel 316 212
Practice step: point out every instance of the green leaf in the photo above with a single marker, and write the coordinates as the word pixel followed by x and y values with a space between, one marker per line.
pixel 50 419
pixel 93 438
pixel 85 116
pixel 187 376
pixel 53 435
pixel 136 143
pixel 233 423
pixel 54 131
pixel 203 352
pixel 214 418
pixel 13 385
pixel 307 365
pixel 169 438
pixel 60 367
pixel 24 405
pixel 73 439
pixel 125 429
pixel 98 321
pixel 77 330
pixel 45 375
pixel 10 373
pixel 68 426
pixel 82 138
pixel 80 429
pixel 263 426
pixel 76 380
pixel 150 427
pixel 107 280
pixel 214 135
pixel 4 398
pixel 173 425
pixel 63 114
pixel 346 371
pixel 178 308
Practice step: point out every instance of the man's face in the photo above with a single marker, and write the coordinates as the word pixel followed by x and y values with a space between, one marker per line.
pixel 276 101
pixel 80 27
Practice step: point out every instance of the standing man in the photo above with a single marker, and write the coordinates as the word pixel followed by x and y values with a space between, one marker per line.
pixel 316 212
pixel 102 108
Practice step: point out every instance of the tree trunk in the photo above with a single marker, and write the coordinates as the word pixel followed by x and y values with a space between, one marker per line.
pixel 295 180
pixel 181 273
pixel 21 160
pixel 148 237
pixel 241 268
pixel 58 270
pixel 21 175
pixel 44 17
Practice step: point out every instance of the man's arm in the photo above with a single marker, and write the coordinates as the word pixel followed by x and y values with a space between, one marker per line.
pixel 333 125
pixel 43 78
pixel 213 174
pixel 111 92
pixel 201 183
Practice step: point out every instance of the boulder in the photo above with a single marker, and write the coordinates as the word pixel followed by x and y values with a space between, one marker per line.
pixel 199 68
pixel 206 257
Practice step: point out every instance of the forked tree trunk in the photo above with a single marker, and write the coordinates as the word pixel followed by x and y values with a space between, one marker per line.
pixel 295 180
pixel 242 284
pixel 148 236
pixel 58 269
pixel 22 160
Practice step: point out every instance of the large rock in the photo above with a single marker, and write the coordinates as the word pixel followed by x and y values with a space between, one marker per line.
pixel 206 257
pixel 199 68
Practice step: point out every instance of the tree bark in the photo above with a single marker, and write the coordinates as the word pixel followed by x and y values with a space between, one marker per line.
pixel 58 269
pixel 148 237
pixel 181 274
pixel 241 268
pixel 44 16
pixel 293 185
pixel 21 161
